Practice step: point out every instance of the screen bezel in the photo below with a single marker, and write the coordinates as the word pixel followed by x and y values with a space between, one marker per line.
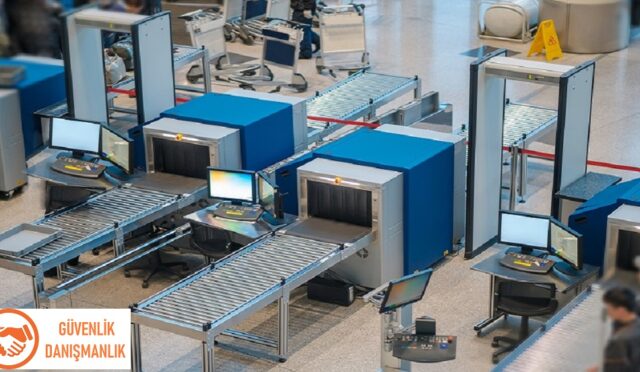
pixel 566 228
pixel 259 176
pixel 70 149
pixel 383 305
pixel 131 152
pixel 254 188
pixel 538 216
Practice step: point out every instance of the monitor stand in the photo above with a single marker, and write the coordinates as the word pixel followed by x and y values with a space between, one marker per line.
pixel 566 269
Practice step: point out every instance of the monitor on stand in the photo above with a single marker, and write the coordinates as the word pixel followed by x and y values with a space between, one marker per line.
pixel 235 186
pixel 526 231
pixel 79 137
pixel 117 149
pixel 565 244
pixel 405 291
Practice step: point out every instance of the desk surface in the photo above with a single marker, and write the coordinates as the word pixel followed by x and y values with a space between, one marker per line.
pixel 491 265
pixel 250 229
pixel 43 170
pixel 587 186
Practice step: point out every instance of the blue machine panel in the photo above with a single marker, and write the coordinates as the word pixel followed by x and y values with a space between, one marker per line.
pixel 43 85
pixel 266 127
pixel 427 167
pixel 590 219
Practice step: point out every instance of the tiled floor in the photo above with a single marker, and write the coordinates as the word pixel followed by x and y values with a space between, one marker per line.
pixel 427 38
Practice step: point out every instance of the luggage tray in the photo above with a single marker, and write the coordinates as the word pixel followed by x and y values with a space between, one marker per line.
pixel 26 238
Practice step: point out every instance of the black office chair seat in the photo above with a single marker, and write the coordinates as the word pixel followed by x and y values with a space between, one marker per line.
pixel 524 300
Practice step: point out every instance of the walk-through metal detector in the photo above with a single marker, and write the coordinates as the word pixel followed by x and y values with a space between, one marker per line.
pixel 486 118
pixel 84 64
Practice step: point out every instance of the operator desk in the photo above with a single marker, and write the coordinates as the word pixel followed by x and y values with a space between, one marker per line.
pixel 569 286
pixel 241 232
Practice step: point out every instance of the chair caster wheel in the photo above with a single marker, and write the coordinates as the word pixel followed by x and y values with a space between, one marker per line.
pixel 145 284
pixel 479 333
pixel 494 360
pixel 495 344
pixel 95 251
pixel 282 360
pixel 127 274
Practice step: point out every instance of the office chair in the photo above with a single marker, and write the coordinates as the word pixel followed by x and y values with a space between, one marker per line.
pixel 211 243
pixel 525 300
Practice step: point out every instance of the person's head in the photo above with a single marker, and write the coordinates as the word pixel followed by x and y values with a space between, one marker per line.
pixel 620 304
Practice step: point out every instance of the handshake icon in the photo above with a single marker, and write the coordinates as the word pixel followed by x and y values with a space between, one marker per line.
pixel 13 341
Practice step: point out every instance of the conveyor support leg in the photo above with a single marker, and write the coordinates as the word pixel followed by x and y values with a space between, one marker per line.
pixel 283 325
pixel 136 355
pixel 208 360
pixel 38 287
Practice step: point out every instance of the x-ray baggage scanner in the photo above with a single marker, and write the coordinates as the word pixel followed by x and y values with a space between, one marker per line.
pixel 84 65
pixel 486 120
pixel 363 196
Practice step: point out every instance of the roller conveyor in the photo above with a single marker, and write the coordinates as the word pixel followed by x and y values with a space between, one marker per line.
pixel 103 218
pixel 357 96
pixel 572 340
pixel 528 122
pixel 209 302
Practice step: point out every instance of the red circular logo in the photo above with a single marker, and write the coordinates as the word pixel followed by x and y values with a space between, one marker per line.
pixel 18 338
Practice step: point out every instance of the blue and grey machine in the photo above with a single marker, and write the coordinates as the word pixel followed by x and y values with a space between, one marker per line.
pixel 34 83
pixel 486 119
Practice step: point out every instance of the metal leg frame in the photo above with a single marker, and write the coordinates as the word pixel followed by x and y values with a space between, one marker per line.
pixel 136 355
pixel 513 187
pixel 208 357
pixel 522 189
pixel 38 287
pixel 493 314
pixel 283 328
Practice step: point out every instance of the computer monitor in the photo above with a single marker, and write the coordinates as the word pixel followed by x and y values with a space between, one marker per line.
pixel 116 149
pixel 528 231
pixel 233 185
pixel 75 135
pixel 406 290
pixel 565 244
pixel 266 194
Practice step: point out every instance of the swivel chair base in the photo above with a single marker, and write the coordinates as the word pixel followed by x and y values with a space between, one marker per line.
pixel 509 343
pixel 158 266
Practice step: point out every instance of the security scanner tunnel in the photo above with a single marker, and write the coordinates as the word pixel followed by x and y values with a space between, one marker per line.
pixel 486 133
pixel 356 218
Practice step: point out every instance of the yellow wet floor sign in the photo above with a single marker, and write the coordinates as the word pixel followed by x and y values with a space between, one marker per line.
pixel 546 39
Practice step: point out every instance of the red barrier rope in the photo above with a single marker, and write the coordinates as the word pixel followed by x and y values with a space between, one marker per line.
pixel 595 163
pixel 538 154
pixel 345 122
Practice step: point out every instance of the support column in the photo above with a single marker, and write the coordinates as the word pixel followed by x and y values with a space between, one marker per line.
pixel 38 287
pixel 136 355
pixel 283 328
pixel 208 360
pixel 513 188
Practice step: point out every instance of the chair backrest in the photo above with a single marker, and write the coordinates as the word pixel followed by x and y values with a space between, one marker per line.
pixel 526 290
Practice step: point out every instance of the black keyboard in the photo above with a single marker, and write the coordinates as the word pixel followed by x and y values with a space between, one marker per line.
pixel 238 212
pixel 424 348
pixel 77 167
pixel 527 263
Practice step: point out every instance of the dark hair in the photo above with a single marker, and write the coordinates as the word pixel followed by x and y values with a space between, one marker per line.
pixel 620 297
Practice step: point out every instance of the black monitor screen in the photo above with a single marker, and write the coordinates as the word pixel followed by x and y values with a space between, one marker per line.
pixel 181 158
pixel 529 231
pixel 117 149
pixel 266 194
pixel 566 244
pixel 628 250
pixel 75 135
pixel 405 290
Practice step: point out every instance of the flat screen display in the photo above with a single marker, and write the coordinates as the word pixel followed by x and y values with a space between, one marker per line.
pixel 565 245
pixel 116 149
pixel 232 185
pixel 524 230
pixel 405 291
pixel 266 194
pixel 75 135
